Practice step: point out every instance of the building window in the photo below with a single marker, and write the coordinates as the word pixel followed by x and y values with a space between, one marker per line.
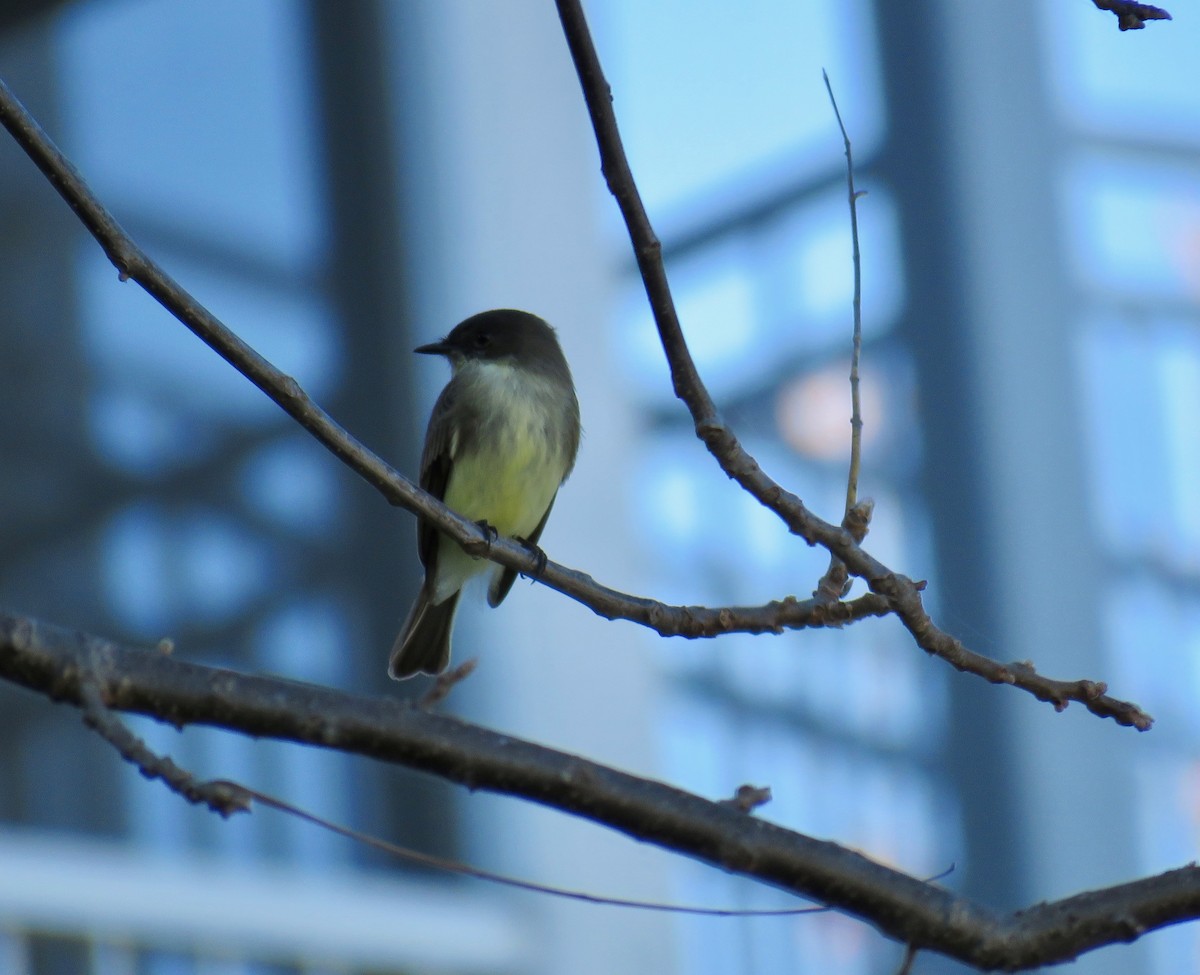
pixel 1130 205
pixel 744 177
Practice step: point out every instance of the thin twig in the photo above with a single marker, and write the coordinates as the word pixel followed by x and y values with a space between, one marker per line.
pixel 446 683
pixel 856 422
pixel 223 798
pixel 856 518
pixel 906 963
pixel 465 870
pixel 226 797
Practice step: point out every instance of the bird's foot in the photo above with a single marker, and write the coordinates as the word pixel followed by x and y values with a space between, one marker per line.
pixel 489 533
pixel 539 557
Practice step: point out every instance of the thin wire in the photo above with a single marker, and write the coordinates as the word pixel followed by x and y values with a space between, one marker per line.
pixel 453 866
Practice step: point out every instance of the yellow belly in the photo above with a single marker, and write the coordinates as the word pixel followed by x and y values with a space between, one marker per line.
pixel 510 487
pixel 512 469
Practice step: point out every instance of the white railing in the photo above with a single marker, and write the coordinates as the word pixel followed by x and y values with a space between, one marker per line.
pixel 122 900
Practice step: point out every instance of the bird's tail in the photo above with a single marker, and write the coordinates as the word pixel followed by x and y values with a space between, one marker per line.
pixel 423 646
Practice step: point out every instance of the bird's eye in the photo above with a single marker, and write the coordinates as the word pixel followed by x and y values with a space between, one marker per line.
pixel 482 340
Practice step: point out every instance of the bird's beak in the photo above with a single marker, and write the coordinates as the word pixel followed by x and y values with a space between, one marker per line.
pixel 440 347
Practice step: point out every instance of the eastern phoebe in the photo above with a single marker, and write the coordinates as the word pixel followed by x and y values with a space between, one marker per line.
pixel 501 439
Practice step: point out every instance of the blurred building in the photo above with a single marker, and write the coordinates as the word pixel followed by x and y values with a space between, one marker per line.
pixel 340 182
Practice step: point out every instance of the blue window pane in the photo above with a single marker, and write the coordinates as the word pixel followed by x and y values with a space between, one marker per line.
pixel 715 299
pixel 1134 227
pixel 1179 371
pixel 138 432
pixel 836 943
pixel 760 296
pixel 306 639
pixel 1141 414
pixel 1154 636
pixel 196 114
pixel 702 134
pixel 1132 83
pixel 867 680
pixel 813 408
pixel 679 491
pixel 1167 789
pixel 136 345
pixel 1123 433
pixel 685 720
pixel 163 568
pixel 136 569
pixel 810 273
pixel 705 948
pixel 294 486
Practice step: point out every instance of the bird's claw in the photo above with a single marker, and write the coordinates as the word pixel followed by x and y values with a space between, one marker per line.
pixel 489 533
pixel 539 557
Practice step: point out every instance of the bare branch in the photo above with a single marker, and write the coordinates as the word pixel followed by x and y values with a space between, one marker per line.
pixel 132 263
pixel 225 797
pixel 61 664
pixel 902 594
pixel 445 683
pixel 856 422
pixel 895 592
pixel 1131 15
pixel 222 798
pixel 856 519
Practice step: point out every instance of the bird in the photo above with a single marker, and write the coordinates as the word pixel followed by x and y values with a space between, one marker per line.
pixel 502 438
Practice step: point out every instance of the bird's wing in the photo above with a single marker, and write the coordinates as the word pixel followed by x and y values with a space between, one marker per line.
pixel 437 461
pixel 504 581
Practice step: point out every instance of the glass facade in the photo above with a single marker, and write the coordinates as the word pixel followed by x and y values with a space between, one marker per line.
pixel 159 495
pixel 341 182
pixel 217 495
pixel 1130 192
pixel 745 179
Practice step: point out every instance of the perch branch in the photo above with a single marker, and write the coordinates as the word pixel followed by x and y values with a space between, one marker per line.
pixel 60 664
pixel 891 592
pixel 134 264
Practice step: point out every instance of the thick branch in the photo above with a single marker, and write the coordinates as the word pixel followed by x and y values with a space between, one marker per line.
pixel 74 667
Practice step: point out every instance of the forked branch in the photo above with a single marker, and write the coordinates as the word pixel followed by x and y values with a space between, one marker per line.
pixel 903 594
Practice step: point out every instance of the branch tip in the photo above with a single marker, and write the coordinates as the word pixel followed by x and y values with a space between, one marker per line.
pixel 446 683
pixel 747 798
pixel 1131 15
